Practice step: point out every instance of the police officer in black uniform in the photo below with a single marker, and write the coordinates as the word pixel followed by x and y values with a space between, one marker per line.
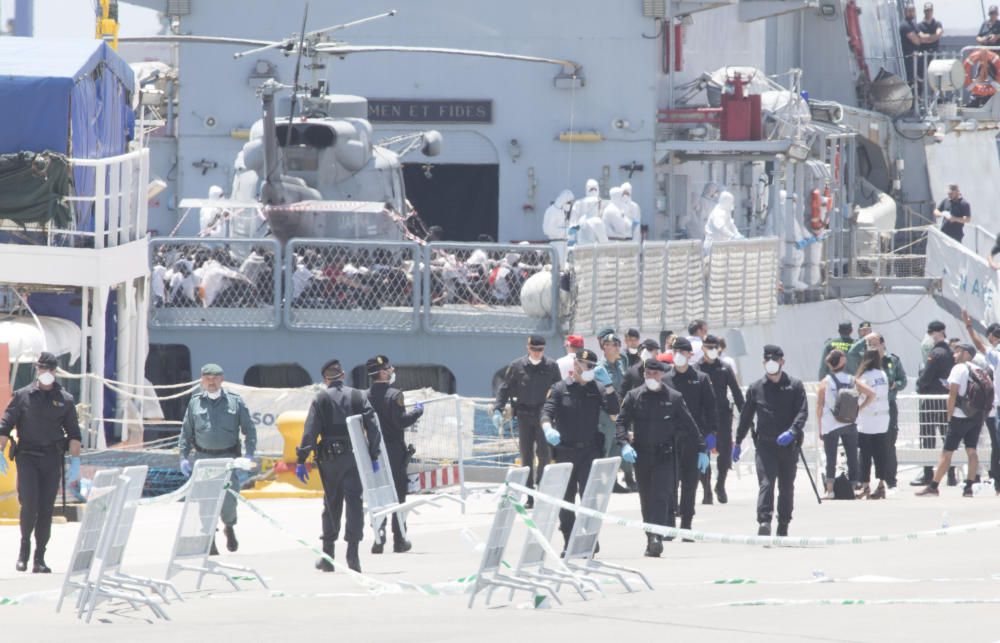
pixel 635 375
pixel 570 423
pixel 779 403
pixel 326 434
pixel 44 415
pixel 525 384
pixel 652 416
pixel 723 382
pixel 393 418
pixel 933 413
pixel 696 388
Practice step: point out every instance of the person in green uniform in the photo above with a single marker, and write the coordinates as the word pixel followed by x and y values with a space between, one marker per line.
pixel 896 374
pixel 616 365
pixel 212 425
pixel 843 342
pixel 865 342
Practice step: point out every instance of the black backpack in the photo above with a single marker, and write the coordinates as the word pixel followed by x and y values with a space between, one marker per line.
pixel 842 488
pixel 978 396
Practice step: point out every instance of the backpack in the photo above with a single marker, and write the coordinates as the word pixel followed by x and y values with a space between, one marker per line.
pixel 978 396
pixel 842 488
pixel 845 406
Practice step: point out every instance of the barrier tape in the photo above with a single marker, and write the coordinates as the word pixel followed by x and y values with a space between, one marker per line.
pixel 781 602
pixel 775 541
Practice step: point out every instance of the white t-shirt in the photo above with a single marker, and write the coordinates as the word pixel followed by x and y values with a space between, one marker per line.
pixel 565 364
pixel 829 422
pixel 959 375
pixel 697 354
pixel 874 418
pixel 993 361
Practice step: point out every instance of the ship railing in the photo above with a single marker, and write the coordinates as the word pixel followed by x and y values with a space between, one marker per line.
pixel 199 283
pixel 901 252
pixel 497 288
pixel 353 285
pixel 110 197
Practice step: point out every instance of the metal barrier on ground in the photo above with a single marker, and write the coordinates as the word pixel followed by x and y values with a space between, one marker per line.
pixel 352 285
pixel 196 282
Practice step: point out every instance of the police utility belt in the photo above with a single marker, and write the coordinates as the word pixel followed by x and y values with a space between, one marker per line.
pixel 233 450
pixel 660 450
pixel 329 448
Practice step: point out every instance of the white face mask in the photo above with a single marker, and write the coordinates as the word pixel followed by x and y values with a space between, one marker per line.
pixel 645 354
pixel 587 376
pixel 772 367
pixel 633 350
pixel 712 353
pixel 680 359
pixel 535 360
pixel 652 385
pixel 392 378
pixel 214 395
pixel 46 378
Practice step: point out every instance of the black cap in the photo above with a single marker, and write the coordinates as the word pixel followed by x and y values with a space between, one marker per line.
pixel 968 348
pixel 47 360
pixel 773 351
pixel 536 340
pixel 587 355
pixel 993 329
pixel 650 345
pixel 864 324
pixel 605 331
pixel 654 365
pixel 682 344
pixel 710 340
pixel 935 327
pixel 845 325
pixel 376 364
pixel 632 332
pixel 331 369
pixel 993 9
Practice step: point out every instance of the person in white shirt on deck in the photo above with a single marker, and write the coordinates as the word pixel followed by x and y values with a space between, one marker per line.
pixel 873 425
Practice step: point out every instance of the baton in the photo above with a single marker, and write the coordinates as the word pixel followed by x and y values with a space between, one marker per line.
pixel 809 473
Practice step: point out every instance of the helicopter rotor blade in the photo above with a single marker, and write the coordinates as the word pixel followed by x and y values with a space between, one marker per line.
pixel 204 40
pixel 344 50
pixel 355 23
pixel 287 44
pixel 295 83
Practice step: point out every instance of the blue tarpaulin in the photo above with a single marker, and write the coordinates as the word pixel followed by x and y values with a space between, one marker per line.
pixel 68 96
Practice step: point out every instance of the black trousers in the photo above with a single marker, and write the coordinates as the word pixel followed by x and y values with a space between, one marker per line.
pixel 656 478
pixel 531 440
pixel 581 459
pixel 933 421
pixel 775 464
pixel 398 459
pixel 687 465
pixel 341 485
pixel 873 449
pixel 994 431
pixel 724 442
pixel 38 478
pixel 891 464
pixel 849 436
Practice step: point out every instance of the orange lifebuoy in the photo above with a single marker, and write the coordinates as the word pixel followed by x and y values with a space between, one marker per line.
pixel 829 199
pixel 978 67
pixel 816 211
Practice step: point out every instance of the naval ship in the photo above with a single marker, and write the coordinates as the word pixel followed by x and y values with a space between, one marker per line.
pixel 357 177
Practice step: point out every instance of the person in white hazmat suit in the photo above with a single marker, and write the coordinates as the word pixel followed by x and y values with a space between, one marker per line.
pixel 720 225
pixel 211 218
pixel 618 225
pixel 591 230
pixel 631 209
pixel 555 223
pixel 589 206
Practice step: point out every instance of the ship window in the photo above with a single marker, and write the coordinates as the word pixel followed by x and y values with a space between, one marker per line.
pixel 277 376
pixel 410 377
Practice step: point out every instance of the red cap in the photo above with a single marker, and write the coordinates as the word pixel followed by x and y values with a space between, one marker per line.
pixel 574 341
pixel 667 358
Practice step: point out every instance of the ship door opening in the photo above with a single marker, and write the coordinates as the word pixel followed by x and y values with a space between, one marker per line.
pixel 464 199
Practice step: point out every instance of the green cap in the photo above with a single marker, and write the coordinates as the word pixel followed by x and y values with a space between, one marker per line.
pixel 211 369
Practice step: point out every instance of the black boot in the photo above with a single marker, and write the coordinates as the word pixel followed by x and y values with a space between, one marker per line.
pixel 215 550
pixel 764 529
pixel 40 567
pixel 654 545
pixel 23 554
pixel 401 546
pixel 529 503
pixel 353 561
pixel 706 487
pixel 618 488
pixel 379 545
pixel 231 543
pixel 782 528
pixel 720 487
pixel 924 479
pixel 323 564
pixel 686 524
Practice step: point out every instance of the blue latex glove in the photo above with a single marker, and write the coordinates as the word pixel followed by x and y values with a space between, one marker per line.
pixel 628 453
pixel 786 438
pixel 74 469
pixel 497 420
pixel 302 473
pixel 551 435
pixel 3 464
pixel 375 466
pixel 419 406
pixel 709 442
pixel 602 376
pixel 736 452
pixel 702 462
pixel 186 467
